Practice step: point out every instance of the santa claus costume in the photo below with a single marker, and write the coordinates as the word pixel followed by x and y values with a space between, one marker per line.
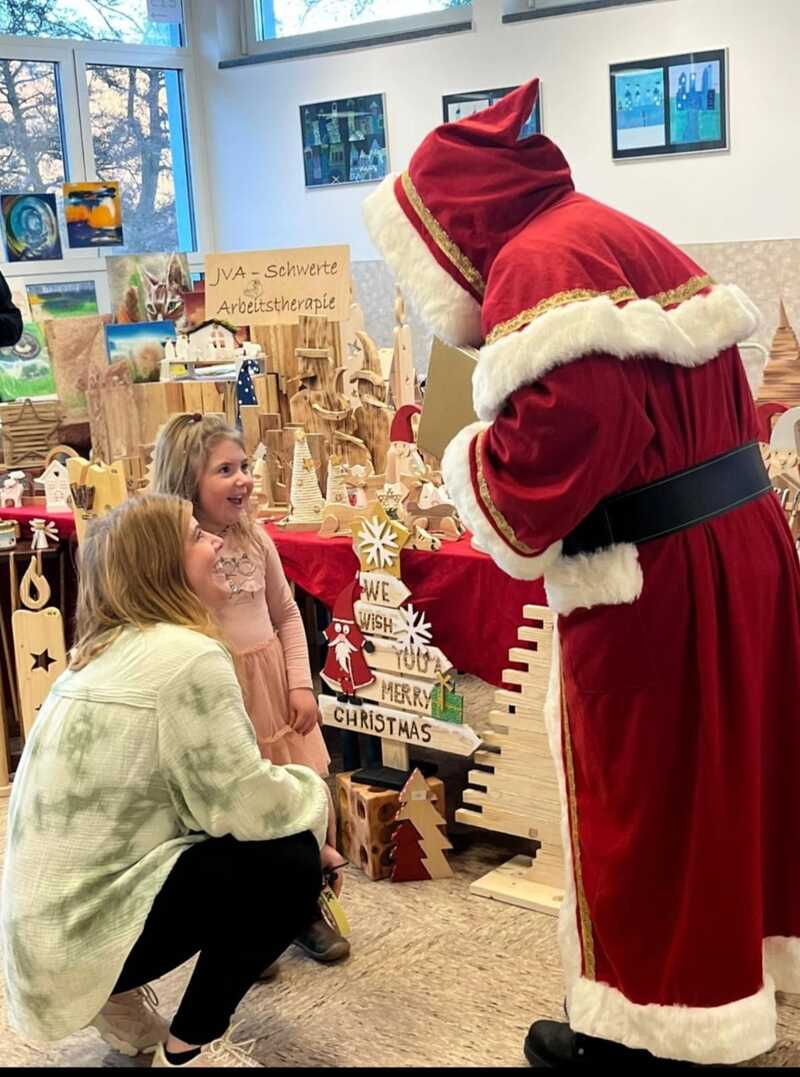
pixel 608 364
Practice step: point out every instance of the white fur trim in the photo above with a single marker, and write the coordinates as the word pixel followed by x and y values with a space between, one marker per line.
pixel 610 577
pixel 457 479
pixel 735 1032
pixel 688 335
pixel 782 962
pixel 446 308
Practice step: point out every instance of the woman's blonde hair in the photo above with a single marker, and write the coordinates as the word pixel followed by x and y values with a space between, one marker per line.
pixel 181 454
pixel 131 573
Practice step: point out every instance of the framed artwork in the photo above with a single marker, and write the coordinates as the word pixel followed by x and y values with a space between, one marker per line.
pixel 25 368
pixel 344 141
pixel 70 299
pixel 31 227
pixel 673 104
pixel 141 345
pixel 147 287
pixel 94 214
pixel 456 106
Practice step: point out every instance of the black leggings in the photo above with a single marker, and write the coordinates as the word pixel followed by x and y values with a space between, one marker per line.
pixel 240 904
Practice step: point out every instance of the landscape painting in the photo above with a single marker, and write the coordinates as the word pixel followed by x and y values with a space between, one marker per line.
pixel 70 299
pixel 94 214
pixel 140 345
pixel 25 368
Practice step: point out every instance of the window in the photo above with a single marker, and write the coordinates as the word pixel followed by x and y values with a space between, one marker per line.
pixel 516 10
pixel 87 20
pixel 96 90
pixel 32 154
pixel 138 137
pixel 280 29
pixel 286 18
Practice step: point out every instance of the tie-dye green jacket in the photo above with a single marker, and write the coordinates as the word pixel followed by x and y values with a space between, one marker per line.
pixel 128 759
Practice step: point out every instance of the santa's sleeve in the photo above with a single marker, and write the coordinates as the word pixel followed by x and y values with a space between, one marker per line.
pixel 557 448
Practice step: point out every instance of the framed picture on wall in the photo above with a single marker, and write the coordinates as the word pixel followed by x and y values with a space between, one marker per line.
pixel 456 106
pixel 670 105
pixel 344 141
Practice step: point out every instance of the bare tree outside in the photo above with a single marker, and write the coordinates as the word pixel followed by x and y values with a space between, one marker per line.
pixel 304 16
pixel 135 116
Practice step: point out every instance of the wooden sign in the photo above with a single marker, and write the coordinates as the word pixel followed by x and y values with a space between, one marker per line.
pixel 378 620
pixel 378 721
pixel 277 287
pixel 422 662
pixel 403 692
pixel 382 589
pixel 41 657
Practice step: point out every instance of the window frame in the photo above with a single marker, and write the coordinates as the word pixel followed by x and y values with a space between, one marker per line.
pixel 74 55
pixel 520 13
pixel 360 35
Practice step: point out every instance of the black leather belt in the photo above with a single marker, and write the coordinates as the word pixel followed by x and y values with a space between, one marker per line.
pixel 673 503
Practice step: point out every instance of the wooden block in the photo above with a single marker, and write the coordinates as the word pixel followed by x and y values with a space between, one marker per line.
pixel 515 883
pixel 151 404
pixel 212 397
pixel 268 421
pixel 394 754
pixel 40 658
pixel 366 819
pixel 250 429
pixel 193 396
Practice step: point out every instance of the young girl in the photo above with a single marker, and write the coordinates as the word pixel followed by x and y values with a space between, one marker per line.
pixel 202 459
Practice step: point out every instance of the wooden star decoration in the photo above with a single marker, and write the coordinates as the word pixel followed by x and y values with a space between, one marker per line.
pixel 42 661
pixel 377 541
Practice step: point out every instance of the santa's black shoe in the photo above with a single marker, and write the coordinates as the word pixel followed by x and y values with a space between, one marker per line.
pixel 553 1044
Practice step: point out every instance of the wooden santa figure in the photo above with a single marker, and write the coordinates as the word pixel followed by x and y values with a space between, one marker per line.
pixel 345 668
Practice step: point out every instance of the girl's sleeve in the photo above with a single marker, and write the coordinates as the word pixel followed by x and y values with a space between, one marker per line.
pixel 286 619
pixel 209 759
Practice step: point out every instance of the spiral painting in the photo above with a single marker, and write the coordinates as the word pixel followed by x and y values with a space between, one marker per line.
pixel 31 227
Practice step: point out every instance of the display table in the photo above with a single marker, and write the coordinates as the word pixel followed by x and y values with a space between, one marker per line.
pixel 474 607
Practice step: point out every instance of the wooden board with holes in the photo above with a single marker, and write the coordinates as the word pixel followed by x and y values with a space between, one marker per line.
pixel 40 658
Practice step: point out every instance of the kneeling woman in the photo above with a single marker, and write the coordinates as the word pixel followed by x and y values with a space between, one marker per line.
pixel 144 826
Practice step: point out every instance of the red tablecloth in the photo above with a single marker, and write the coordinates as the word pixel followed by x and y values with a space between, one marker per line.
pixel 473 607
pixel 25 513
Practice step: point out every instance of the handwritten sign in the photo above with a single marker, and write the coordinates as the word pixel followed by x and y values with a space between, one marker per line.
pixel 276 287
pixel 380 721
pixel 422 662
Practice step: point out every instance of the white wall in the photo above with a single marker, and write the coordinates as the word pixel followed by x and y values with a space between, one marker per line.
pixel 752 192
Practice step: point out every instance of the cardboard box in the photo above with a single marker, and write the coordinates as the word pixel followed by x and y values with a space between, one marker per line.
pixel 447 404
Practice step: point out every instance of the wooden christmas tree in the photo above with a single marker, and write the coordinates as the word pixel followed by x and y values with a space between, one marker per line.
pixel 416 809
pixel 336 487
pixel 305 498
pixel 382 660
pixel 517 785
pixel 782 373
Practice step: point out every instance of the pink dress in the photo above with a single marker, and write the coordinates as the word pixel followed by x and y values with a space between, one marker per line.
pixel 264 631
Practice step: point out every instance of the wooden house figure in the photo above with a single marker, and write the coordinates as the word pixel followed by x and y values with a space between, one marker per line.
pixel 12 490
pixel 55 479
pixel 210 340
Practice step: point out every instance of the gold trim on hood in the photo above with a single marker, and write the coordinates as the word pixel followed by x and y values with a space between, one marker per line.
pixel 445 244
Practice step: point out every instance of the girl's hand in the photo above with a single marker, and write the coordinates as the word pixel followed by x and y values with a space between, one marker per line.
pixel 303 710
pixel 332 859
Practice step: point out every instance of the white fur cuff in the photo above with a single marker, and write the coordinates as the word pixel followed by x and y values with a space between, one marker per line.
pixel 457 479
pixel 446 308
pixel 610 577
pixel 688 335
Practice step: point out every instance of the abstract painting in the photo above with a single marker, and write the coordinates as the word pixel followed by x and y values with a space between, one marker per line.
pixel 673 104
pixel 147 287
pixel 94 214
pixel 140 345
pixel 31 227
pixel 456 106
pixel 71 299
pixel 344 141
pixel 25 369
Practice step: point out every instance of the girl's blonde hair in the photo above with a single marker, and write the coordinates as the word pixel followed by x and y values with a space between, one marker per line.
pixel 131 573
pixel 181 454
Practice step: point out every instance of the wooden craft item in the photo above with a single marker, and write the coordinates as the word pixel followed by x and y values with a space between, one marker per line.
pixel 28 431
pixel 418 841
pixel 76 347
pixel 515 791
pixel 366 821
pixel 786 432
pixel 12 489
pixel 40 658
pixel 377 542
pixel 192 396
pixel 305 497
pixel 34 581
pixel 402 379
pixel 155 402
pixel 781 381
pixel 339 519
pixel 248 414
pixel 349 348
pixel 373 423
pixel 113 416
pixel 9 534
pixel 95 490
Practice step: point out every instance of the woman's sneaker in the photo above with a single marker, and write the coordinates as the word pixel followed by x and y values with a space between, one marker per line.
pixel 130 1023
pixel 222 1053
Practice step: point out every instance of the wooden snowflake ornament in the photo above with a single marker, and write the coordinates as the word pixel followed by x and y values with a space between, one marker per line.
pixel 377 541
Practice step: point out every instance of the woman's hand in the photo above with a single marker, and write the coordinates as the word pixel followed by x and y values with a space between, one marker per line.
pixel 303 710
pixel 332 859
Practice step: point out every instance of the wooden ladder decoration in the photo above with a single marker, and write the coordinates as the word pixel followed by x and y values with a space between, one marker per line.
pixel 518 789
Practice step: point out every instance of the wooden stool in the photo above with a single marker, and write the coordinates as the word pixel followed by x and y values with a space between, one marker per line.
pixel 366 818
